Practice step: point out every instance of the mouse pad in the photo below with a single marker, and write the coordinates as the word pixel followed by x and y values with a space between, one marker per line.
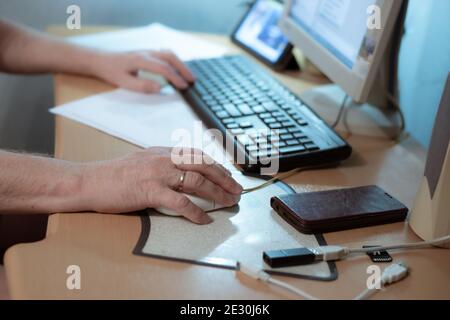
pixel 238 234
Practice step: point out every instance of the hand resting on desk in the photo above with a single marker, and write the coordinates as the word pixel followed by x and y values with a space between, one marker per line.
pixel 23 50
pixel 145 179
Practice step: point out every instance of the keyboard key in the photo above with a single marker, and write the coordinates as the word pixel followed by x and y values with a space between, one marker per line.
pixel 270 106
pixel 279 144
pixel 266 154
pixel 258 95
pixel 245 109
pixel 282 131
pixel 295 130
pixel 252 148
pixel 228 121
pixel 288 124
pixel 261 140
pixel 232 110
pixel 264 146
pixel 259 109
pixel 303 123
pixel 211 102
pixel 265 115
pixel 222 114
pixel 293 149
pixel 292 142
pixel 232 126
pixel 207 97
pixel 216 108
pixel 300 135
pixel 244 96
pixel 246 125
pixel 276 125
pixel 236 132
pixel 311 146
pixel 278 114
pixel 305 140
pixel 254 135
pixel 264 100
pixel 269 120
pixel 273 138
pixel 286 137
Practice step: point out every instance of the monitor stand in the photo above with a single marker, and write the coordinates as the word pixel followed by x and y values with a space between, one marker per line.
pixel 362 119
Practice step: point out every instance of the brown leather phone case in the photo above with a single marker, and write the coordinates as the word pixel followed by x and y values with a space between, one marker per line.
pixel 336 210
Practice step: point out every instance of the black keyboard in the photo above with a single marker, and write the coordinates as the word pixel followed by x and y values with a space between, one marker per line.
pixel 264 118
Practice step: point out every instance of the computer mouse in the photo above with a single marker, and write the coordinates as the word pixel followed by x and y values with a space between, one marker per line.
pixel 206 205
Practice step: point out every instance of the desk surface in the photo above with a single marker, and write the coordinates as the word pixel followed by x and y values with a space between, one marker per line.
pixel 102 244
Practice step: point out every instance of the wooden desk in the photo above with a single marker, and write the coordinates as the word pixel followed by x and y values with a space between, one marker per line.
pixel 102 244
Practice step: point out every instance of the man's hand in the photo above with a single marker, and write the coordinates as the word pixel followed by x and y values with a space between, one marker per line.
pixel 121 70
pixel 23 50
pixel 145 179
pixel 149 179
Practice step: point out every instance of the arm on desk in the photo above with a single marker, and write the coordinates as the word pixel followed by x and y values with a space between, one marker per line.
pixel 23 50
pixel 145 179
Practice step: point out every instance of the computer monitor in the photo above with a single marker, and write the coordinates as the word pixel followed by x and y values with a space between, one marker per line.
pixel 345 39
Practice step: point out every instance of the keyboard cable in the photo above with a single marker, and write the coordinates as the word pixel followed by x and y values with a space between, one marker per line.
pixel 341 112
pixel 282 177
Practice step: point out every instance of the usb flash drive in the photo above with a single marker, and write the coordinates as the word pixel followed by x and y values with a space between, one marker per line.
pixel 289 257
pixel 302 256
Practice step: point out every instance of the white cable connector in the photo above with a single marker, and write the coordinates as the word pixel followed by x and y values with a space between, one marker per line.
pixel 392 274
pixel 330 253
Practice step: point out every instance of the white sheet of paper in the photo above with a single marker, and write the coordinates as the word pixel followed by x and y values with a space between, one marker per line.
pixel 153 37
pixel 145 120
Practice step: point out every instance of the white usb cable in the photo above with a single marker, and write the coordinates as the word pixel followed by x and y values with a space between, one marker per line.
pixel 335 253
pixel 395 272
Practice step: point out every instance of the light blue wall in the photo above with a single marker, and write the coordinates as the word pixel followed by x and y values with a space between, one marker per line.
pixel 424 64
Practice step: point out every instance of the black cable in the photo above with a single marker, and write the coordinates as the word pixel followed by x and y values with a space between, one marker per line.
pixel 341 112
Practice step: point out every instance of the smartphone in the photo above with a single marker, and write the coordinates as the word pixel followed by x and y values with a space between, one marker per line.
pixel 337 210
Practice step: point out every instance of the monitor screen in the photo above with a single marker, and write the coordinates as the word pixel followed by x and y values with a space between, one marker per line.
pixel 260 31
pixel 339 26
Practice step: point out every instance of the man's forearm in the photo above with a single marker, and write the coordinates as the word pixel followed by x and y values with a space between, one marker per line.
pixel 23 50
pixel 30 184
